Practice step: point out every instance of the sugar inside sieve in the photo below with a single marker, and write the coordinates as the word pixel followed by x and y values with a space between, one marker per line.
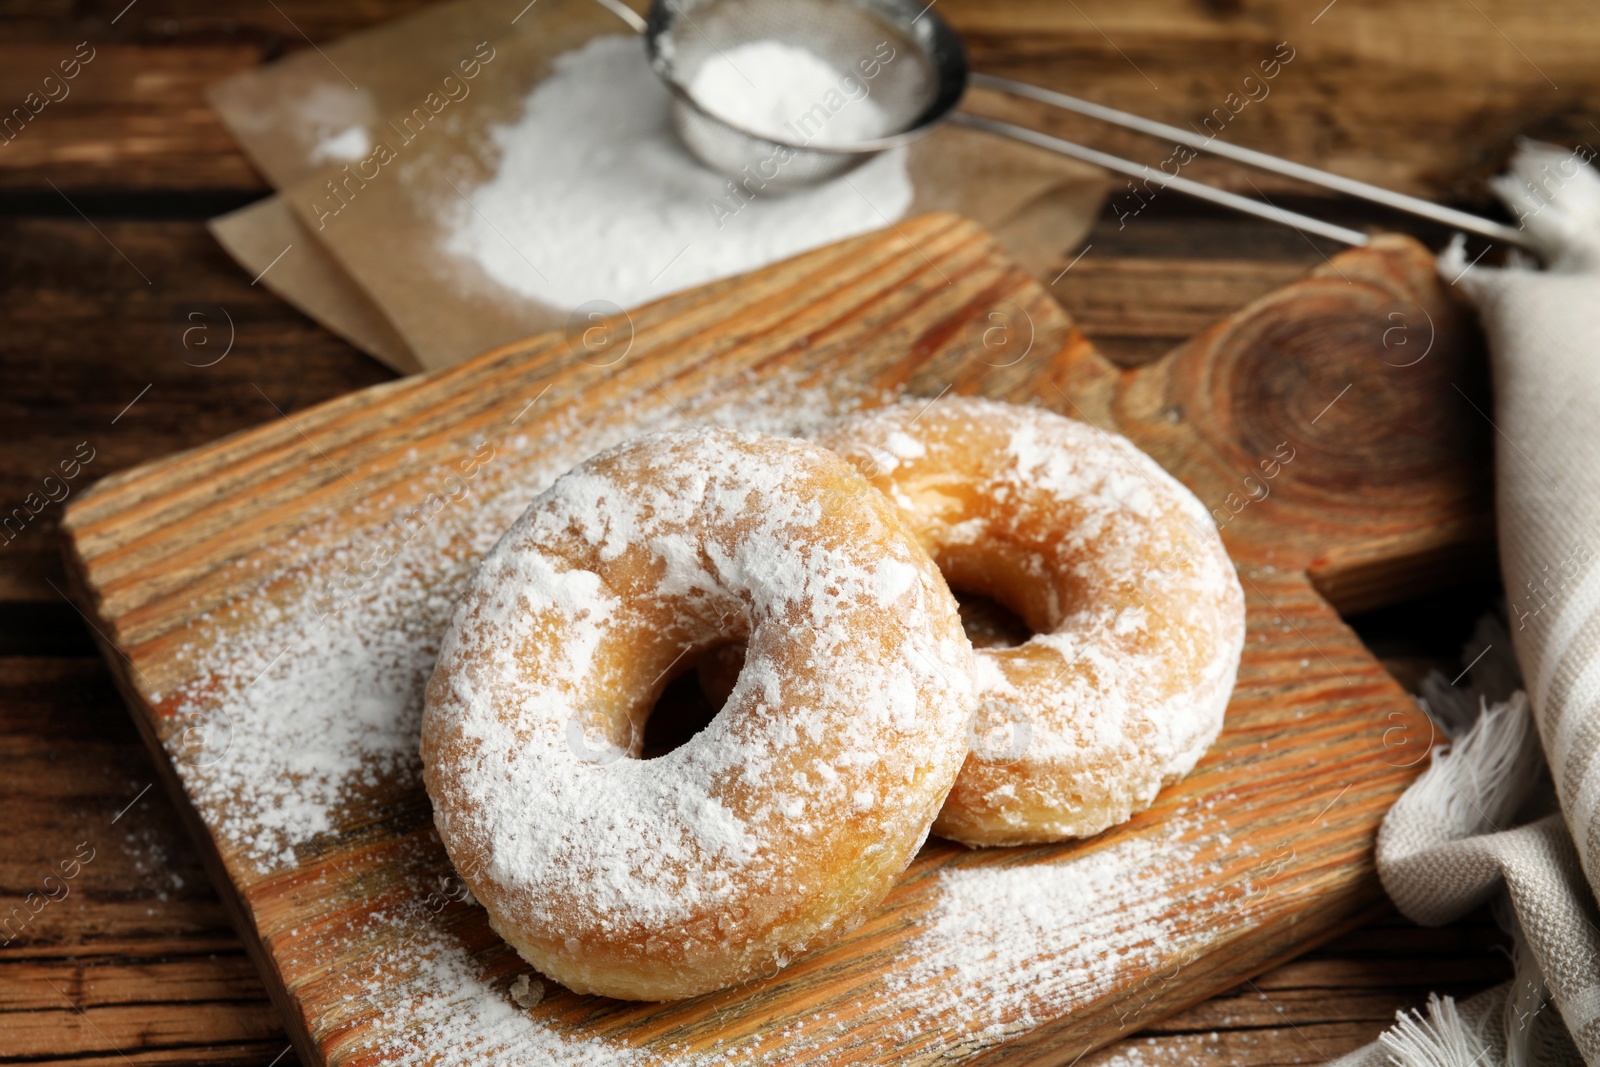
pixel 889 60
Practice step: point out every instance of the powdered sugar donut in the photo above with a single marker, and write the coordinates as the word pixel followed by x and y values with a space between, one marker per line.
pixel 788 816
pixel 1136 609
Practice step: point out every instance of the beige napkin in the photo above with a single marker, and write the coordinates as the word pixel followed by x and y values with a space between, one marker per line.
pixel 381 255
pixel 1473 827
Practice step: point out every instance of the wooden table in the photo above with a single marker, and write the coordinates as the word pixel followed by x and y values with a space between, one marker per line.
pixel 103 256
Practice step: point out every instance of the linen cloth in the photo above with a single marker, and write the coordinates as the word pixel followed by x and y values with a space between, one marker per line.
pixel 1484 822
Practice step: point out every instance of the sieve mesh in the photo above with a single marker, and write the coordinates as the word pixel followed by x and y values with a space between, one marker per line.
pixel 916 88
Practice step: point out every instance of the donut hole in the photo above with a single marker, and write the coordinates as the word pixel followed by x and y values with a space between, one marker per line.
pixel 694 694
pixel 989 623
pixel 1005 593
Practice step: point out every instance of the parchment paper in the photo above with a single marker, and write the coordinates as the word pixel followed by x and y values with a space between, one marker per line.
pixel 268 240
pixel 382 252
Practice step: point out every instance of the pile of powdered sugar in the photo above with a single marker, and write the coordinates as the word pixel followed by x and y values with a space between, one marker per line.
pixel 595 199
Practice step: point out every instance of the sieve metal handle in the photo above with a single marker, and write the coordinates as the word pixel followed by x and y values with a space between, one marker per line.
pixel 1261 160
pixel 625 13
pixel 1271 212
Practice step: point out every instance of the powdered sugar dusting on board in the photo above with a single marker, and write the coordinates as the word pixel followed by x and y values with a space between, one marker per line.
pixel 317 703
pixel 999 948
pixel 443 1012
pixel 420 998
pixel 1010 945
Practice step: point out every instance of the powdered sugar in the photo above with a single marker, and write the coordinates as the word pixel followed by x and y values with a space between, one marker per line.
pixel 1008 945
pixel 354 143
pixel 329 117
pixel 994 951
pixel 437 1009
pixel 594 198
pixel 768 86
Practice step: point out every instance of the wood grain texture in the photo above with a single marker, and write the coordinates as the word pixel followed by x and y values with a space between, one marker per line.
pixel 85 338
pixel 1319 737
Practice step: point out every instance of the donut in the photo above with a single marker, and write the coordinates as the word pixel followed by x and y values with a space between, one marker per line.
pixel 788 816
pixel 1136 610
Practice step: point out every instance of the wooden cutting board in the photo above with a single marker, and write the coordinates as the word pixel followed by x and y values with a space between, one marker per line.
pixel 1330 428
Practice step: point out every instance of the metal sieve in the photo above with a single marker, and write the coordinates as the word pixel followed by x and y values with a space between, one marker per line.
pixel 916 88
pixel 919 89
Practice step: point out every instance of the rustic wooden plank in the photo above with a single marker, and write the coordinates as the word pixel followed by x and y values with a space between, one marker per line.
pixel 278 27
pixel 84 338
pixel 80 783
pixel 1345 989
pixel 208 1054
pixel 1467 83
pixel 52 696
pixel 1267 1047
pixel 132 117
pixel 124 1028
pixel 1258 1005
pixel 154 545
pixel 103 982
pixel 1472 970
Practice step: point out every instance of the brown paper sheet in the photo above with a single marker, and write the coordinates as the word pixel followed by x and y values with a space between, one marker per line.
pixel 268 241
pixel 386 239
